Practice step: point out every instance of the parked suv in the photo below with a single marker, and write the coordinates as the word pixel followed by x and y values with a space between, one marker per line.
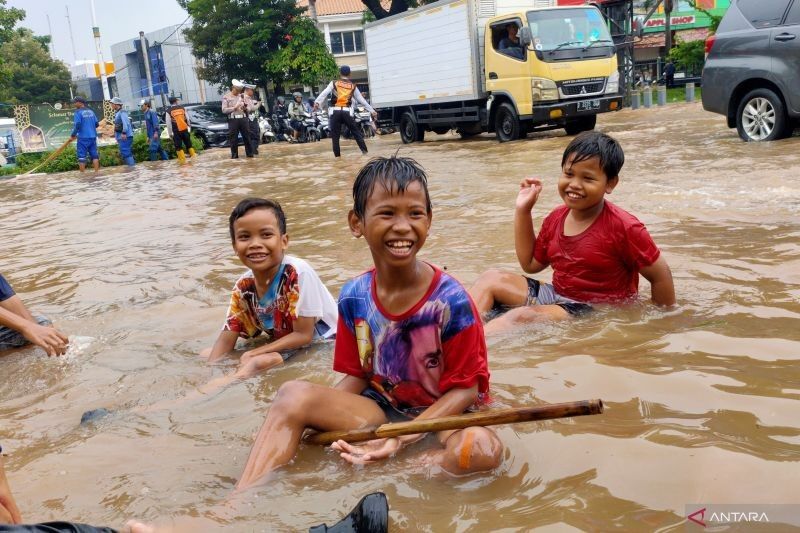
pixel 752 73
pixel 209 124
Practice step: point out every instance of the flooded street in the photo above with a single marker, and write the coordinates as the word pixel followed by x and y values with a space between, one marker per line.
pixel 702 402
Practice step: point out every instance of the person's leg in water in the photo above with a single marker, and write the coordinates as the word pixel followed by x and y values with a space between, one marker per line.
pixel 497 287
pixel 355 130
pixel 335 123
pixel 299 405
pixel 94 155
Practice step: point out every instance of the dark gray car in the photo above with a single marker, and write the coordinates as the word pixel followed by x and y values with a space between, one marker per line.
pixel 752 73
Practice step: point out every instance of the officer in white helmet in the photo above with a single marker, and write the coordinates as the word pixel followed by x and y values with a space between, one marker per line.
pixel 233 105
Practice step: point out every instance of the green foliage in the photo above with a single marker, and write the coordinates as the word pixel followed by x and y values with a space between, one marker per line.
pixel 109 156
pixel 305 58
pixel 30 74
pixel 9 16
pixel 238 39
pixel 688 55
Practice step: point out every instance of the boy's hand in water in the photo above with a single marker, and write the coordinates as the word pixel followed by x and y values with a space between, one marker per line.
pixel 529 189
pixel 49 339
pixel 368 452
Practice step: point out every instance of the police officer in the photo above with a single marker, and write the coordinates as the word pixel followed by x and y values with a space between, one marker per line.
pixel 123 132
pixel 252 105
pixel 344 95
pixel 234 106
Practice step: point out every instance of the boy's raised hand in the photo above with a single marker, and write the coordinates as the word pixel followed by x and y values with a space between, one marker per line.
pixel 529 189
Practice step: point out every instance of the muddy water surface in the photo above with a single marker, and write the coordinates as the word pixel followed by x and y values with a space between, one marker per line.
pixel 703 402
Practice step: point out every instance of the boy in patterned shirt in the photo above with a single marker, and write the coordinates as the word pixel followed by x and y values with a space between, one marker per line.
pixel 280 295
pixel 409 340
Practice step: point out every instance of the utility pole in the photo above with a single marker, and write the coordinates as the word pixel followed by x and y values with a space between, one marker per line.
pixel 102 64
pixel 146 55
pixel 71 39
pixel 50 29
pixel 667 26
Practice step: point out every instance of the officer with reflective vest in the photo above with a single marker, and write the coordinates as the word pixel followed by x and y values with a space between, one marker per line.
pixel 344 95
pixel 234 105
pixel 178 129
pixel 123 132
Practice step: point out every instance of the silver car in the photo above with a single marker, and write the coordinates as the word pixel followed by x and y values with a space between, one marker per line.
pixel 752 72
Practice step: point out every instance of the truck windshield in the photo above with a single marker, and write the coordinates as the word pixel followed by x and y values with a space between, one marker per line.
pixel 553 30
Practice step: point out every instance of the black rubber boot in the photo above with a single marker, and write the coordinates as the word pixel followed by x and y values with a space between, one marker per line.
pixel 370 515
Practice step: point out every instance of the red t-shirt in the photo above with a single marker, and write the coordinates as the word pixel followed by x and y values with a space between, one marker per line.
pixel 414 358
pixel 601 264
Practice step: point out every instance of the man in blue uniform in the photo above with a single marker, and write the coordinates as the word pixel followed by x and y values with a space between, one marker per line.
pixel 85 130
pixel 153 131
pixel 123 131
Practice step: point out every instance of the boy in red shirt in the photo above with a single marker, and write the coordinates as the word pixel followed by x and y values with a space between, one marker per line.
pixel 409 340
pixel 597 250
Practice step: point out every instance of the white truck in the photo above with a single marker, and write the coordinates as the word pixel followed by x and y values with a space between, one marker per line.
pixel 455 64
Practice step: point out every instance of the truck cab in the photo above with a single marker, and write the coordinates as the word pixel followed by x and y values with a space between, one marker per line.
pixel 561 72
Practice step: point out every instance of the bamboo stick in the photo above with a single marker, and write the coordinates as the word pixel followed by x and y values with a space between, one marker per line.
pixel 485 418
pixel 49 158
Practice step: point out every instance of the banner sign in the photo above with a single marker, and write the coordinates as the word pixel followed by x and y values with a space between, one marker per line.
pixel 43 127
pixel 678 20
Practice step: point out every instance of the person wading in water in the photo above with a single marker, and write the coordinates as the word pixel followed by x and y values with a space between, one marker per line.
pixel 344 94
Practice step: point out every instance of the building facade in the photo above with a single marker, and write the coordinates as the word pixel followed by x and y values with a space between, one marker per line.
pixel 342 24
pixel 173 69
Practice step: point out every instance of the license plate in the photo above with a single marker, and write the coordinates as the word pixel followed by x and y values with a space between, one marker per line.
pixel 588 105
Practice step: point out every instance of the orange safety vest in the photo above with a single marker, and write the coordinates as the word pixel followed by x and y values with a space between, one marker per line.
pixel 178 115
pixel 343 91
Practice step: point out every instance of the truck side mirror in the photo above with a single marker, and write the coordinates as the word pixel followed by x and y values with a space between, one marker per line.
pixel 525 37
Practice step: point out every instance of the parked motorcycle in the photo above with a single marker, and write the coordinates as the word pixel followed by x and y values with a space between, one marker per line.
pixel 283 131
pixel 363 119
pixel 309 131
pixel 267 135
pixel 322 122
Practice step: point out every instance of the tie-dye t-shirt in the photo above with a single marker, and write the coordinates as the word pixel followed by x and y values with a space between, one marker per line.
pixel 414 358
pixel 296 291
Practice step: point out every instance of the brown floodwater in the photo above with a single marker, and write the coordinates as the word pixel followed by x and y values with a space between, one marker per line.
pixel 702 401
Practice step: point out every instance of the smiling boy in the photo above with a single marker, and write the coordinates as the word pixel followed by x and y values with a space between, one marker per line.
pixel 597 250
pixel 409 341
pixel 280 295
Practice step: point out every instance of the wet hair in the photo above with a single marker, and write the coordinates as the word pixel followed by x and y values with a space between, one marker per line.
pixel 248 204
pixel 591 144
pixel 173 99
pixel 389 172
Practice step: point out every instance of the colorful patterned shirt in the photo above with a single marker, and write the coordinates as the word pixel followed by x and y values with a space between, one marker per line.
pixel 414 358
pixel 296 291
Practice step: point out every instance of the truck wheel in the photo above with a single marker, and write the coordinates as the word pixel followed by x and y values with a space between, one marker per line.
pixel 575 126
pixel 761 116
pixel 410 131
pixel 507 123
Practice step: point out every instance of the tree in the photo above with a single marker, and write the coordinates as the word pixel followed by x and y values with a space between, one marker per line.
pixel 376 7
pixel 9 16
pixel 31 75
pixel 246 40
pixel 304 58
pixel 688 56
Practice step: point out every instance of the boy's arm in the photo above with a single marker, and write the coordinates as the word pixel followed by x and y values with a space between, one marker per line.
pixel 302 334
pixel 661 285
pixel 226 341
pixel 49 339
pixel 524 234
pixel 453 402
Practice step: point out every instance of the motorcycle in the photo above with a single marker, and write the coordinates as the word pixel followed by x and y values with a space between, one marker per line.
pixel 267 135
pixel 309 131
pixel 283 131
pixel 321 118
pixel 363 119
